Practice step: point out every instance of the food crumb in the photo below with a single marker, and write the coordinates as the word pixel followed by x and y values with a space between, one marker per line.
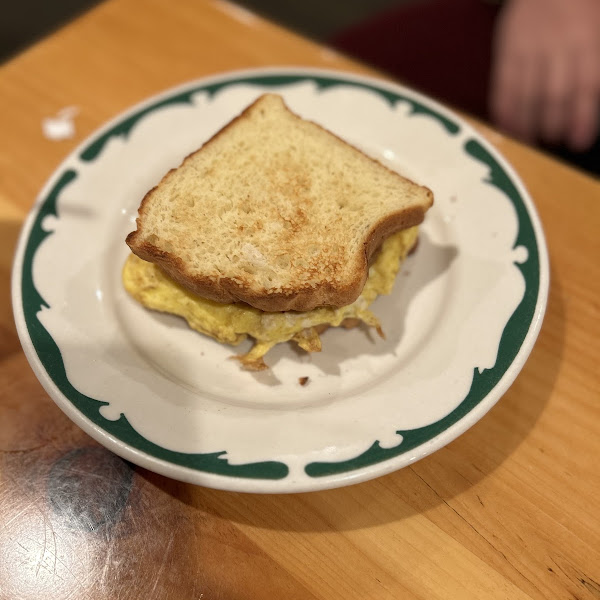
pixel 302 380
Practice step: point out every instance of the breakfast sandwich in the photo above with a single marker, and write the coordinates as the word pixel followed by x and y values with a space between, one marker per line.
pixel 274 229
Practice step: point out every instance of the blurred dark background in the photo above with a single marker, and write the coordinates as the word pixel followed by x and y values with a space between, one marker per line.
pixel 25 21
pixel 440 47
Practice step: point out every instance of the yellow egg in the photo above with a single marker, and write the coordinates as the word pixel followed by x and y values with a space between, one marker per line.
pixel 232 323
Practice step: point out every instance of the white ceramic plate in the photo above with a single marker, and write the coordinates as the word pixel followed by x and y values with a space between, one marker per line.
pixel 460 323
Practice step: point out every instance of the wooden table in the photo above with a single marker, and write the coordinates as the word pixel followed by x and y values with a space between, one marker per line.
pixel 509 510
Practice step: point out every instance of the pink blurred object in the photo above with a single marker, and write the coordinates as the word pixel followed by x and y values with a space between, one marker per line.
pixel 440 47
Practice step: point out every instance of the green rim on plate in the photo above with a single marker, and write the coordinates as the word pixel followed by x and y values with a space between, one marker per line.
pixel 483 383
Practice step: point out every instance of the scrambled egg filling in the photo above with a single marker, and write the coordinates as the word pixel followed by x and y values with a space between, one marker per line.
pixel 232 323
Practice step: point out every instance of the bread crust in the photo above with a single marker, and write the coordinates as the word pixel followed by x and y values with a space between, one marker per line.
pixel 225 289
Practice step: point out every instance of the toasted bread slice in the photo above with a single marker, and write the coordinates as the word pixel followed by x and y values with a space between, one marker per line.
pixel 274 211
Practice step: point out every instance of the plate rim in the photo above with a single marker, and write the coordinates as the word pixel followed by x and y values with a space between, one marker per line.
pixel 285 484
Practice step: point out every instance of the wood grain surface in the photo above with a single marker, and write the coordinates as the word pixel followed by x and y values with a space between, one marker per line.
pixel 509 510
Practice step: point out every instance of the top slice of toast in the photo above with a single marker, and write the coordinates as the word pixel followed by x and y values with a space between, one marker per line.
pixel 274 211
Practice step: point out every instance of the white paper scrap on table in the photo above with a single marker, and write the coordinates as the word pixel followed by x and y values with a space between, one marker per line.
pixel 61 125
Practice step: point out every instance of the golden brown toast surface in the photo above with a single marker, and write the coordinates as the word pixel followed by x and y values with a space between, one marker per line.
pixel 276 212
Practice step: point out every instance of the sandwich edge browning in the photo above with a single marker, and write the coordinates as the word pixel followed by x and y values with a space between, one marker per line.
pixel 304 299
pixel 299 297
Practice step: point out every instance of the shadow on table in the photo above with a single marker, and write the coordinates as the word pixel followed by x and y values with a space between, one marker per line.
pixel 431 482
pixel 90 499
